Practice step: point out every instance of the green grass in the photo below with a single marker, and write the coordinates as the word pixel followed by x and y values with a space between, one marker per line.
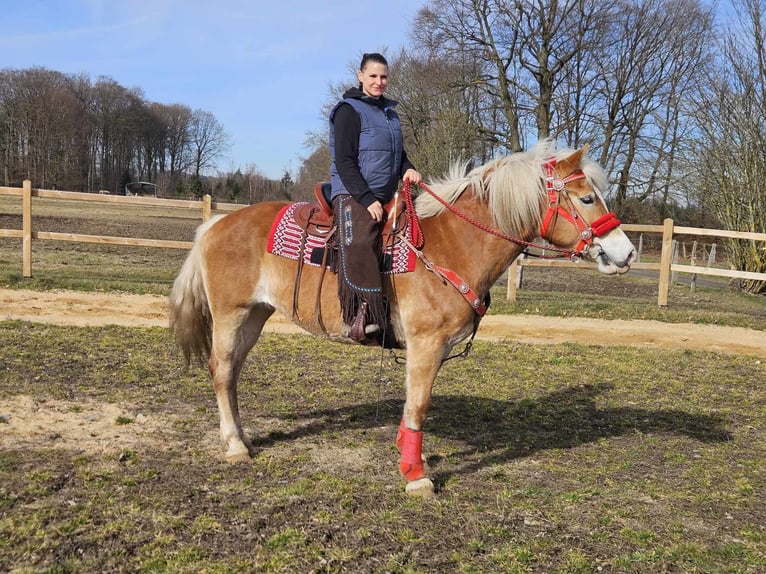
pixel 555 458
pixel 558 458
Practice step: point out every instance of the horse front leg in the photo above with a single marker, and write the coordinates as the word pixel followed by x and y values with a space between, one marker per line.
pixel 423 362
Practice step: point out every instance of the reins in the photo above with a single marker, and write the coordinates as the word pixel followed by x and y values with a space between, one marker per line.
pixel 554 187
pixel 573 255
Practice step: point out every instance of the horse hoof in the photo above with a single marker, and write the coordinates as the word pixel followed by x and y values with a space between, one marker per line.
pixel 234 456
pixel 423 487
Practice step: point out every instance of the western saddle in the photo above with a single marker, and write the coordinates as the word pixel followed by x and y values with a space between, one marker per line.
pixel 318 218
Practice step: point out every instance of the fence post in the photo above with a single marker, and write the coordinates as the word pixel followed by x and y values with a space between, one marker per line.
pixel 665 260
pixel 693 262
pixel 514 278
pixel 673 261
pixel 206 207
pixel 26 228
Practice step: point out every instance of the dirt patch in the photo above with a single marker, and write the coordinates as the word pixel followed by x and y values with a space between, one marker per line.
pixel 90 427
pixel 537 329
pixel 83 309
pixel 97 309
pixel 98 428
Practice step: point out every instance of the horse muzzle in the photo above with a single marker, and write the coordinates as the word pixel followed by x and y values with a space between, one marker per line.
pixel 615 258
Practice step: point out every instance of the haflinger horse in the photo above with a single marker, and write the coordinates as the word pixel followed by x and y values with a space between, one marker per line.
pixel 473 226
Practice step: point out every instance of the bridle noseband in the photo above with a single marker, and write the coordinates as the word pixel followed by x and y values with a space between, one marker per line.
pixel 556 187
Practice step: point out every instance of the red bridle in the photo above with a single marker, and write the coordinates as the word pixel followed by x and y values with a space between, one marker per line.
pixel 555 187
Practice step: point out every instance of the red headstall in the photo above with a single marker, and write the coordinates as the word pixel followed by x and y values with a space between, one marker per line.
pixel 555 186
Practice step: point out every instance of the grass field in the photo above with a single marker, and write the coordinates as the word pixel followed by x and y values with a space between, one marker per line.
pixel 555 458
pixel 546 459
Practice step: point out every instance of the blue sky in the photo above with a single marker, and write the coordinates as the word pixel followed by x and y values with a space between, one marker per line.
pixel 263 68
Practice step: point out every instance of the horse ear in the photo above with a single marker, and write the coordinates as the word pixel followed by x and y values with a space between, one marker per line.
pixel 571 163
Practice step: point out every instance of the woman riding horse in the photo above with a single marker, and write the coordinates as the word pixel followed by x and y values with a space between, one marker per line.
pixel 473 227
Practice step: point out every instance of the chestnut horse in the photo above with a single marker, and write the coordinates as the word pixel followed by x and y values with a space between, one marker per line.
pixel 473 226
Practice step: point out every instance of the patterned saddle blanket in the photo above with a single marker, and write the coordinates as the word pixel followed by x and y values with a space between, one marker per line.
pixel 305 227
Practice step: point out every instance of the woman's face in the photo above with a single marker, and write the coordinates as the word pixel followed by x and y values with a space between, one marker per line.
pixel 374 79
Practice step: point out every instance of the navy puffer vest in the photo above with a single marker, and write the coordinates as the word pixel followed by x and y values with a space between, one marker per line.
pixel 380 148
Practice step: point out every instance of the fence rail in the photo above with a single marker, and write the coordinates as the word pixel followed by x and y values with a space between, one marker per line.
pixel 206 206
pixel 27 235
pixel 666 265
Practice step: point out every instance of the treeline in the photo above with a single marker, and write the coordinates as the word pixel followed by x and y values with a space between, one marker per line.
pixel 68 132
pixel 631 78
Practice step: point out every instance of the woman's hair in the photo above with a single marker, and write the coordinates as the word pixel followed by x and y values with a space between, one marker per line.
pixel 373 57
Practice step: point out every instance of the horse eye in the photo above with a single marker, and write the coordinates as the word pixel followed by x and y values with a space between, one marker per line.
pixel 587 200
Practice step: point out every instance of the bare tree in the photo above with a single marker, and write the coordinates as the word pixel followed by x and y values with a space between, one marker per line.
pixel 616 74
pixel 526 49
pixel 656 49
pixel 454 30
pixel 208 141
pixel 117 115
pixel 177 119
pixel 553 37
pixel 732 143
pixel 153 136
pixel 314 169
pixel 439 119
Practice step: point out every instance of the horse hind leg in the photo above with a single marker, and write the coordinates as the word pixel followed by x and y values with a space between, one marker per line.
pixel 233 337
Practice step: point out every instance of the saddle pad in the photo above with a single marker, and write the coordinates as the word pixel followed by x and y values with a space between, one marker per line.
pixel 286 236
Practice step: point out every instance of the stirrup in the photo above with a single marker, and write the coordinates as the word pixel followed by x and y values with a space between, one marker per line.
pixel 357 329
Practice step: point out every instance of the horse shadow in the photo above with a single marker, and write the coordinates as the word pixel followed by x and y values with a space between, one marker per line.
pixel 505 430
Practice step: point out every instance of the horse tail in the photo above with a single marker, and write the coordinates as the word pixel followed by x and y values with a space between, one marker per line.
pixel 190 318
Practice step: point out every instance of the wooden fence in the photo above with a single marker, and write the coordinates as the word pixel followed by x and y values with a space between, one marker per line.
pixel 666 265
pixel 27 235
pixel 206 206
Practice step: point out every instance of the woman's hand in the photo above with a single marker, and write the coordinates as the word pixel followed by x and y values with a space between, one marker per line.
pixel 376 211
pixel 413 176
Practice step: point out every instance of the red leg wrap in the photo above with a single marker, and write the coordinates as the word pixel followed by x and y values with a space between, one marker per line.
pixel 400 436
pixel 410 445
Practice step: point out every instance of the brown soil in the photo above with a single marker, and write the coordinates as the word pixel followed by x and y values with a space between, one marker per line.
pixel 95 309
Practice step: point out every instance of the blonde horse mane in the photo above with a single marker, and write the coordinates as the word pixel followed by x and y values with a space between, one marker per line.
pixel 512 186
